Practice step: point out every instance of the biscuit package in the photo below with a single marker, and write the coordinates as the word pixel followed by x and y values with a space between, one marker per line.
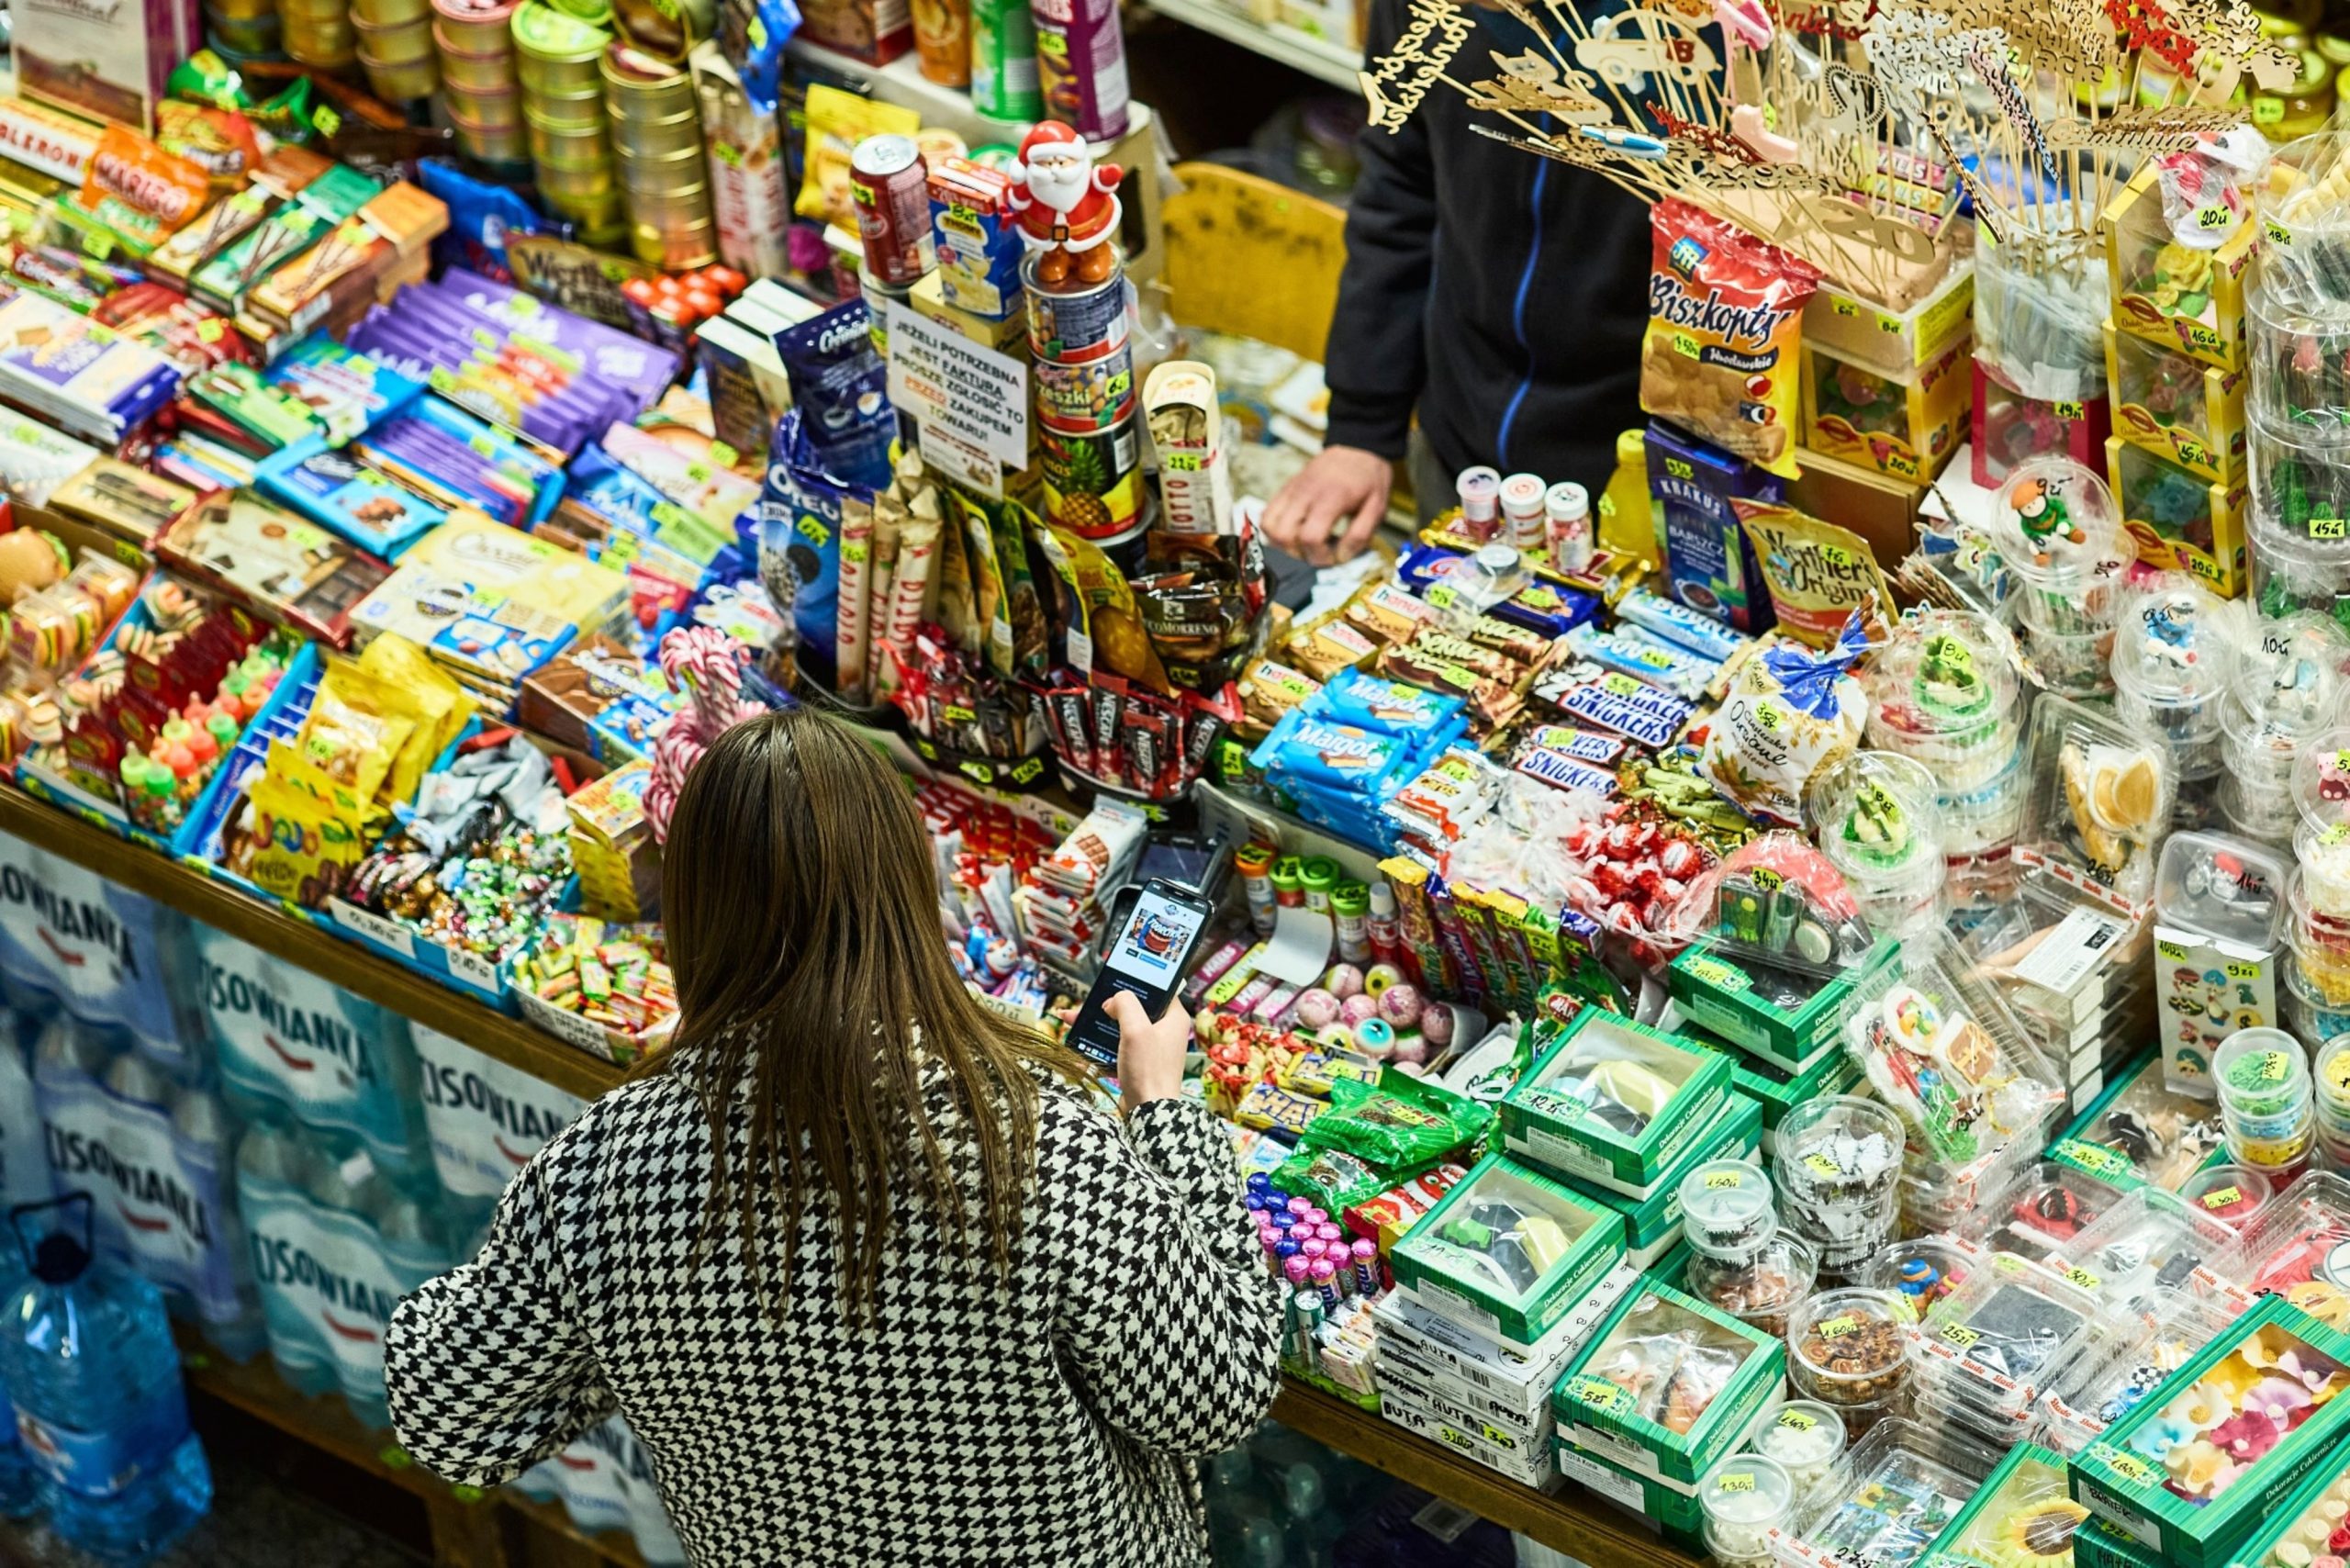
pixel 1725 325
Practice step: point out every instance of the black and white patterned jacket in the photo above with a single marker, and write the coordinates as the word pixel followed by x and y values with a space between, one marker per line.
pixel 1046 1419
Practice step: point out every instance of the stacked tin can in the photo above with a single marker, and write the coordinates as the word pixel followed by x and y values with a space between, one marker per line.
pixel 477 69
pixel 558 59
pixel 1088 432
pixel 319 33
pixel 395 47
pixel 656 123
pixel 241 30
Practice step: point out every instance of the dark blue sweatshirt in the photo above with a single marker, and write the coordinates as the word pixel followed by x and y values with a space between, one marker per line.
pixel 1499 292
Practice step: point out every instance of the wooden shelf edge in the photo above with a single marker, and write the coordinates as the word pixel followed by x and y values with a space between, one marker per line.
pixel 1582 1528
pixel 380 980
pixel 1326 62
pixel 611 1546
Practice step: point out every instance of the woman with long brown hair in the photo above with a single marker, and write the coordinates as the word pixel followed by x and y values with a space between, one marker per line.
pixel 867 1269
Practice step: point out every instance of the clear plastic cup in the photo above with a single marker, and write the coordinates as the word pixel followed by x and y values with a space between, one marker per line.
pixel 1744 1498
pixel 1807 1438
pixel 2072 664
pixel 2058 529
pixel 2233 1195
pixel 1879 819
pixel 2261 1073
pixel 1943 691
pixel 2172 643
pixel 1839 1165
pixel 1850 1347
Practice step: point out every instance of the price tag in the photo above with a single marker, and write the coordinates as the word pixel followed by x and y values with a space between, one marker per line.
pixel 209 331
pixel 1797 1420
pixel 2222 1198
pixel 1621 685
pixel 1739 1481
pixel 2082 1278
pixel 1770 881
pixel 1717 1180
pixel 473 969
pixel 375 929
pixel 2329 528
pixel 1822 1165
pixel 1837 1327
pixel 1960 1335
pixel 2241 970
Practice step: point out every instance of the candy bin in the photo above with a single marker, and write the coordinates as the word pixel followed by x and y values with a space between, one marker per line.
pixel 2219 933
pixel 1864 415
pixel 1943 692
pixel 2193 1471
pixel 1879 819
pixel 2233 1195
pixel 2176 407
pixel 1745 1497
pixel 1840 1179
pixel 2061 533
pixel 1850 1349
pixel 2267 1108
pixel 1738 1260
pixel 2173 641
pixel 2179 518
pixel 2021 1516
pixel 2100 1389
pixel 1890 1500
pixel 2284 688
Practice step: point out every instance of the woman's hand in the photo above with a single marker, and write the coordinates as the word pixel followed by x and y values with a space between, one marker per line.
pixel 1341 482
pixel 1150 1056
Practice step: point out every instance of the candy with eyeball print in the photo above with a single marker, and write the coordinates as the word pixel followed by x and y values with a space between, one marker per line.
pixel 1379 977
pixel 1401 1004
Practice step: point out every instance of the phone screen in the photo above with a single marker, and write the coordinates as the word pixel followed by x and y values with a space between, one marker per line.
pixel 1147 960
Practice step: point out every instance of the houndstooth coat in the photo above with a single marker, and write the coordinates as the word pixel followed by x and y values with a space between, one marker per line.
pixel 1050 1417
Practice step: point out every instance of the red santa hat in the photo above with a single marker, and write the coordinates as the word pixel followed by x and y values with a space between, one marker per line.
pixel 1045 132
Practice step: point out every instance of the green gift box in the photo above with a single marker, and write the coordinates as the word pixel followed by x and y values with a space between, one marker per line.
pixel 1509 1250
pixel 1783 1017
pixel 2098 1544
pixel 1645 1433
pixel 1612 1102
pixel 1653 1224
pixel 2297 1533
pixel 1676 1516
pixel 1777 1091
pixel 2122 1478
pixel 2022 1513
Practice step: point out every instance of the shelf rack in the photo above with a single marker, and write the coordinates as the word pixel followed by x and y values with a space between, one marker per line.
pixel 1317 58
pixel 1569 1523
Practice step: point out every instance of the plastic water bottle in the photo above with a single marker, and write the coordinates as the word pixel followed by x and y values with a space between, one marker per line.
pixel 19 1483
pixel 87 1359
pixel 271 1172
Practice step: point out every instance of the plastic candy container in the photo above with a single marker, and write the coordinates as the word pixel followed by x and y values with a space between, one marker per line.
pixel 2099 800
pixel 1850 1349
pixel 1923 1269
pixel 2146 1253
pixel 2144 1128
pixel 2023 1516
pixel 2041 1213
pixel 2112 1380
pixel 2233 1195
pixel 2267 1109
pixel 1943 691
pixel 1807 1438
pixel 1839 1166
pixel 1987 1351
pixel 2329 1076
pixel 2057 526
pixel 1738 1260
pixel 1950 1060
pixel 1779 902
pixel 2298 1247
pixel 1900 1487
pixel 2219 925
pixel 1744 1498
pixel 2284 688
pixel 2172 645
pixel 1879 815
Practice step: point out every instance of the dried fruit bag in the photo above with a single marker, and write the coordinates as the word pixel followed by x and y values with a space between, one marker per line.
pixel 1720 357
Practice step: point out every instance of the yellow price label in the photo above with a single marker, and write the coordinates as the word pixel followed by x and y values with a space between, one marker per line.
pixel 1822 1165
pixel 2082 1278
pixel 2241 970
pixel 1960 1335
pixel 1743 1481
pixel 1717 1180
pixel 1837 1327
pixel 1797 1420
pixel 2222 1197
pixel 2327 528
pixel 209 331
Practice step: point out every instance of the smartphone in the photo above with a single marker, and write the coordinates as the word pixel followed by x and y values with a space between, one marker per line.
pixel 1153 949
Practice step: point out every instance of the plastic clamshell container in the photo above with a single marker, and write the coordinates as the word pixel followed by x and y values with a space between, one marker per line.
pixel 1848 1348
pixel 1899 1489
pixel 1949 1059
pixel 1509 1250
pixel 2143 1132
pixel 1668 1386
pixel 2124 1476
pixel 2039 1213
pixel 2000 1339
pixel 1787 1019
pixel 2099 1390
pixel 2296 1245
pixel 2101 792
pixel 2147 1250
pixel 1653 1224
pixel 1614 1103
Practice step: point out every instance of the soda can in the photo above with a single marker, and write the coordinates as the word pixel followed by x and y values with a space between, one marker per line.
pixel 893 195
pixel 1081 65
pixel 1069 327
pixel 1003 60
pixel 1093 482
pixel 1090 395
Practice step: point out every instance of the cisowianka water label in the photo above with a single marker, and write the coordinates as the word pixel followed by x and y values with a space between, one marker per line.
pixel 95 947
pixel 486 1118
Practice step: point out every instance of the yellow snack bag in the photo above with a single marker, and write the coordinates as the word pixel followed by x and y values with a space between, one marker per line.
pixel 837 121
pixel 426 692
pixel 1817 572
pixel 1721 355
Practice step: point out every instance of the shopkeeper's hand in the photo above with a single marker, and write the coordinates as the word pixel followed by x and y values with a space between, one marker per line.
pixel 1150 1056
pixel 1342 484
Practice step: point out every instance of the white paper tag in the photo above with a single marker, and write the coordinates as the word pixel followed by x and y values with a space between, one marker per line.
pixel 375 927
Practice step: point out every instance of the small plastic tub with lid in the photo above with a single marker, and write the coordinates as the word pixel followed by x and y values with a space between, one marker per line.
pixel 2173 641
pixel 1744 1498
pixel 1807 1438
pixel 1943 690
pixel 1923 1269
pixel 2226 889
pixel 2284 688
pixel 1738 1260
pixel 2261 1073
pixel 1999 1340
pixel 2057 528
pixel 2072 664
pixel 2235 1195
pixel 1850 1347
pixel 1880 823
pixel 1839 1164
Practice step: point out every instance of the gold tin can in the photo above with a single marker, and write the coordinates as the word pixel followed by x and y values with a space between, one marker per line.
pixel 473 26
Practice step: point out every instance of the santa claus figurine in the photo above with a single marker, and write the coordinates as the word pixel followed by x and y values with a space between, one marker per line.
pixel 1067 208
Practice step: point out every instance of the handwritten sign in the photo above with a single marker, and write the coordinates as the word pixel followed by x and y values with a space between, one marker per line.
pixel 947 382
